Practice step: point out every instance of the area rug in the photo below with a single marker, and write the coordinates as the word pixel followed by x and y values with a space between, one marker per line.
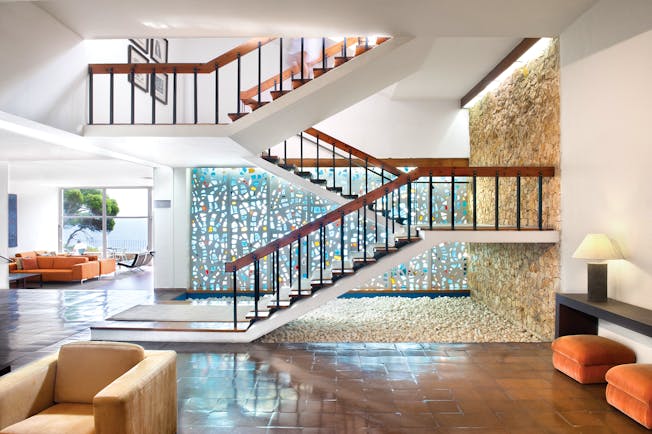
pixel 183 312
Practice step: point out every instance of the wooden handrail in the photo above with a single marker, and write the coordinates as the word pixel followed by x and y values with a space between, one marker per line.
pixel 181 68
pixel 354 151
pixel 323 220
pixel 270 82
pixel 354 205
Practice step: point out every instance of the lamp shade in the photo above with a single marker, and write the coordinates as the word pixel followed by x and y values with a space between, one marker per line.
pixel 597 247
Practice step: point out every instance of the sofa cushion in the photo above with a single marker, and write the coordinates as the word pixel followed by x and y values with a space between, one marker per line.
pixel 66 261
pixel 30 263
pixel 52 275
pixel 85 368
pixel 630 391
pixel 60 418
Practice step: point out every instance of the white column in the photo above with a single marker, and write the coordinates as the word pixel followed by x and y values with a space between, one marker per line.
pixel 181 220
pixel 4 217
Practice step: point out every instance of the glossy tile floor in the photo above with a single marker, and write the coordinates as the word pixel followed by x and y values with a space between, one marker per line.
pixel 332 388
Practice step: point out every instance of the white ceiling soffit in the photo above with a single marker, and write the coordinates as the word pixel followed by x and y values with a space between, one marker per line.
pixel 453 66
pixel 81 173
pixel 203 18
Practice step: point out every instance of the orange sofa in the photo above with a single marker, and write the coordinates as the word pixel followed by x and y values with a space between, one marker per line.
pixel 58 268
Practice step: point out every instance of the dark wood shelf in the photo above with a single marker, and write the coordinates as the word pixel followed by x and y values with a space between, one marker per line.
pixel 576 315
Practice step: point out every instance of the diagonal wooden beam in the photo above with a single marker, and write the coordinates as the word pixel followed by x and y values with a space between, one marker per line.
pixel 507 61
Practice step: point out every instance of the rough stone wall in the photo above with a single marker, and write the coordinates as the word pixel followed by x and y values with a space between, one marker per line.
pixel 518 125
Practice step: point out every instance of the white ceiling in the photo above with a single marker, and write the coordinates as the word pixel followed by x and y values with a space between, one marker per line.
pixel 467 38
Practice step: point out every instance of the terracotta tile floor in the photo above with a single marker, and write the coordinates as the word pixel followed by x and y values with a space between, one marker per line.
pixel 334 388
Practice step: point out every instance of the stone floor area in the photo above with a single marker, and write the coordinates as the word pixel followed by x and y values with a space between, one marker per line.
pixel 332 387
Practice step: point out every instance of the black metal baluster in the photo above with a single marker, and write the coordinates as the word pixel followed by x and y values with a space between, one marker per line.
pixel 386 220
pixel 393 208
pixel 290 268
pixel 333 167
pixel 475 196
pixel 323 54
pixel 259 69
pixel 518 201
pixel 256 286
pixel 299 263
pixel 366 175
pixel 317 163
pixel 217 94
pixel 278 277
pixel 174 96
pixel 308 256
pixel 195 105
pixel 321 254
pixel 496 202
pixel 430 200
pixel 153 95
pixel 540 198
pixel 90 95
pixel 235 299
pixel 350 175
pixel 453 201
pixel 364 230
pixel 357 234
pixel 133 95
pixel 302 54
pixel 111 91
pixel 237 97
pixel 376 218
pixel 342 241
pixel 301 151
pixel 285 152
pixel 409 209
pixel 398 207
pixel 280 66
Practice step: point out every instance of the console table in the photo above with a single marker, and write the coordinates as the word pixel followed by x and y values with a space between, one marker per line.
pixel 574 314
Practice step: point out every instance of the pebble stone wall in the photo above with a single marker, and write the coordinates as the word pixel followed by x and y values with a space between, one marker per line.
pixel 518 125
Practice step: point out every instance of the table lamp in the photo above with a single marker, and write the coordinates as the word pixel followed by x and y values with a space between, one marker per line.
pixel 597 248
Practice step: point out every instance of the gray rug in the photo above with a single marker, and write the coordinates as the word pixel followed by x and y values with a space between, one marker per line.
pixel 183 312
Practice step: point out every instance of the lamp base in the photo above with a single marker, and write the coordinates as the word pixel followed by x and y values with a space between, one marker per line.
pixel 597 282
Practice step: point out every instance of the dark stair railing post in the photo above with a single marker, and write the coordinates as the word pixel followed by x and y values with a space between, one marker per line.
pixel 280 65
pixel 453 201
pixel 376 218
pixel 430 200
pixel 132 90
pixel 308 256
pixel 409 209
pixel 301 151
pixel 217 94
pixel 256 285
pixel 238 80
pixel 350 175
pixel 496 202
pixel 475 196
pixel 302 60
pixel 342 241
pixel 299 263
pixel 393 208
pixel 366 175
pixel 333 167
pixel 321 254
pixel 364 230
pixel 153 95
pixel 540 198
pixel 235 299
pixel 398 206
pixel 259 70
pixel 174 96
pixel 90 95
pixel 285 152
pixel 111 91
pixel 317 162
pixel 357 234
pixel 290 266
pixel 518 201
pixel 194 94
pixel 278 277
pixel 385 197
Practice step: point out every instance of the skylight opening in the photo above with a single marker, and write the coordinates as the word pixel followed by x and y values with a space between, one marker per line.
pixel 535 51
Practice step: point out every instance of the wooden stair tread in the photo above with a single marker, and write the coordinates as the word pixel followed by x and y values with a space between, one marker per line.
pixel 297 82
pixel 317 72
pixel 340 60
pixel 254 104
pixel 262 314
pixel 279 93
pixel 281 305
pixel 235 116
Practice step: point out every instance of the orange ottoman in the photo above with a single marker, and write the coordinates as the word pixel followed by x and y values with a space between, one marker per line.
pixel 629 389
pixel 587 358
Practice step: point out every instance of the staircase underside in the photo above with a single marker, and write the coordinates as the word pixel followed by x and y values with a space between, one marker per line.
pixel 166 331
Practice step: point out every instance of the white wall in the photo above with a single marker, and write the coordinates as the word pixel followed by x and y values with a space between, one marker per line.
pixel 4 227
pixel 43 67
pixel 38 217
pixel 606 149
pixel 386 128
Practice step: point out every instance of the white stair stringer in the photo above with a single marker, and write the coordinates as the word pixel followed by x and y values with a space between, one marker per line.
pixel 292 178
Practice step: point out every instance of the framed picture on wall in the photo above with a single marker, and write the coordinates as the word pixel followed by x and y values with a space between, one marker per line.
pixel 140 80
pixel 159 50
pixel 161 87
pixel 142 44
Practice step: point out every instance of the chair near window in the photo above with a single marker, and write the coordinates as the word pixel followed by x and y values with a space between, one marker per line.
pixel 139 260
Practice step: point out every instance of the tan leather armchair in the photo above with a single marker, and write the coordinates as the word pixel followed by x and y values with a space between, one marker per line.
pixel 92 387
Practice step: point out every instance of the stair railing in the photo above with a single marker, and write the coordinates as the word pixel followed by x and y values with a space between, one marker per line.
pixel 403 182
pixel 150 70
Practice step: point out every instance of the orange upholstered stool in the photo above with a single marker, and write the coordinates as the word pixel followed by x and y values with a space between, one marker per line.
pixel 629 389
pixel 587 358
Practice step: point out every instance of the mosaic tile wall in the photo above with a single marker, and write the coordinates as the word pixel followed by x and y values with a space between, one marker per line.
pixel 235 211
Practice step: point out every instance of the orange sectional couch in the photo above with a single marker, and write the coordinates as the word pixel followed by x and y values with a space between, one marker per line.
pixel 58 268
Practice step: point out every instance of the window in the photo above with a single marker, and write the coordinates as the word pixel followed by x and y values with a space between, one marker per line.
pixel 107 221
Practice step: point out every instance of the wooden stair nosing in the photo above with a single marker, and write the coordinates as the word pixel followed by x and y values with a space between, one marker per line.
pixel 318 72
pixel 235 116
pixel 279 93
pixel 297 82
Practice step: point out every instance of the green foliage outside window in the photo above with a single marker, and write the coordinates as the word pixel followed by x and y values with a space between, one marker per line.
pixel 83 209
